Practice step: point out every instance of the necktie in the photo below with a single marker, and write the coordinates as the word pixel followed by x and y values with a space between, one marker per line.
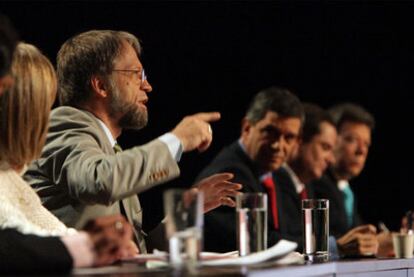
pixel 270 186
pixel 117 148
pixel 303 194
pixel 349 204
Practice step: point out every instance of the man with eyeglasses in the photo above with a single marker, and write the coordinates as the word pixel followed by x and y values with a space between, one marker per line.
pixel 82 172
pixel 98 244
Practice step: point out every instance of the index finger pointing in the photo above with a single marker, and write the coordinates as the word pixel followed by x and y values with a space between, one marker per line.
pixel 208 117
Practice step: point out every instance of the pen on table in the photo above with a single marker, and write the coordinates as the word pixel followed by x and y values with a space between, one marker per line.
pixel 409 216
pixel 383 227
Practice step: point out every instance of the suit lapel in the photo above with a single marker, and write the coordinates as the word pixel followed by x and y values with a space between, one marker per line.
pixel 236 148
pixel 286 186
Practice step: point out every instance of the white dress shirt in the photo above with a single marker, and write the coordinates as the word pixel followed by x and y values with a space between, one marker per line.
pixel 299 186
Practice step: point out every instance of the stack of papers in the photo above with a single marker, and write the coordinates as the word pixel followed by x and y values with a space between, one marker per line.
pixel 282 251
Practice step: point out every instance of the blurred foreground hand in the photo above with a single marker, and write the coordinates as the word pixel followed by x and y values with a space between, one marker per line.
pixel 361 240
pixel 111 238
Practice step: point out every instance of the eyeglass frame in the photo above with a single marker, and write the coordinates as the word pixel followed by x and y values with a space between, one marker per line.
pixel 136 71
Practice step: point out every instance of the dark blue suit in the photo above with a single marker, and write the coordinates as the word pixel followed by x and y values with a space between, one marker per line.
pixel 220 224
pixel 327 188
pixel 290 207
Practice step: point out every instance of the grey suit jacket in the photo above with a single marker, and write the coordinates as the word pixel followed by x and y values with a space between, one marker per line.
pixel 79 176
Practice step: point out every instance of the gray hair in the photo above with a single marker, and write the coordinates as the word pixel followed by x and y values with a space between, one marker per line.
pixel 279 100
pixel 85 55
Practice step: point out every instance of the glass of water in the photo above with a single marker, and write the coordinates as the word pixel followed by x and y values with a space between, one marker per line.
pixel 251 209
pixel 184 225
pixel 315 226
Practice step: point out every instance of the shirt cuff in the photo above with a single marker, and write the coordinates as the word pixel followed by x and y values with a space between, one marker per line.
pixel 333 249
pixel 80 248
pixel 174 145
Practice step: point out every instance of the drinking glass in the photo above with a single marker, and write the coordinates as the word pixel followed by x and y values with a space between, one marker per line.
pixel 315 226
pixel 184 225
pixel 251 209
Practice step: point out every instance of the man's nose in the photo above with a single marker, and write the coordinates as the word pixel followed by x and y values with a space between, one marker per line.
pixel 361 149
pixel 279 142
pixel 331 158
pixel 146 86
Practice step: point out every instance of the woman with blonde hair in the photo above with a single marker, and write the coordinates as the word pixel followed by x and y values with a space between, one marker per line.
pixel 24 116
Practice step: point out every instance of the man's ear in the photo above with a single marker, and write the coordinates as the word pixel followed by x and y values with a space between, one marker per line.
pixel 99 86
pixel 245 125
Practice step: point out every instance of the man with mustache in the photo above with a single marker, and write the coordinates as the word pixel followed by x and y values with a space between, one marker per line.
pixel 82 172
pixel 269 132
pixel 22 253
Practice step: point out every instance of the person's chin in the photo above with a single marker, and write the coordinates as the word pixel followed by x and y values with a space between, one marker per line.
pixel 135 121
pixel 317 175
pixel 356 169
pixel 355 172
pixel 275 165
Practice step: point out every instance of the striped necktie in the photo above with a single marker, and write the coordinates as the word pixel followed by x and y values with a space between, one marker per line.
pixel 117 148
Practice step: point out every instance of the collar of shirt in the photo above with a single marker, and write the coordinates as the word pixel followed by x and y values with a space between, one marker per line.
pixel 343 184
pixel 242 145
pixel 265 176
pixel 107 132
pixel 299 186
pixel 173 143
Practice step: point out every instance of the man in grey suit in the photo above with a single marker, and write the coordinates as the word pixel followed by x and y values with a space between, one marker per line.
pixel 81 173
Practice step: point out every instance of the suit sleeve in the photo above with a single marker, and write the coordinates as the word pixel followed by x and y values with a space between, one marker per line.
pixel 78 161
pixel 220 224
pixel 28 254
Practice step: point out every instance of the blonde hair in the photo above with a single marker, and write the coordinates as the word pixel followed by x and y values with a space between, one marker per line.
pixel 25 108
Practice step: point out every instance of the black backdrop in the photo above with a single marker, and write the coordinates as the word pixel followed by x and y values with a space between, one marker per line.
pixel 203 56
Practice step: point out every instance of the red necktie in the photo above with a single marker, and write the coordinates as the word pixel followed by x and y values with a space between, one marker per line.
pixel 303 194
pixel 270 186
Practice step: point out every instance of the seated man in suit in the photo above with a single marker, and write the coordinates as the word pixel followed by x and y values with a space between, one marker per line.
pixel 354 125
pixel 269 132
pixel 82 173
pixel 312 157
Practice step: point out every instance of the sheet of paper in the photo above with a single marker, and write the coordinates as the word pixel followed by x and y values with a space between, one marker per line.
pixel 281 249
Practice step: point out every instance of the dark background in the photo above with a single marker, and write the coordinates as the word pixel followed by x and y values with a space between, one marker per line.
pixel 204 56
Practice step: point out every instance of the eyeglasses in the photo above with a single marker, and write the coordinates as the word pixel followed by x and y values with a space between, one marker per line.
pixel 135 73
